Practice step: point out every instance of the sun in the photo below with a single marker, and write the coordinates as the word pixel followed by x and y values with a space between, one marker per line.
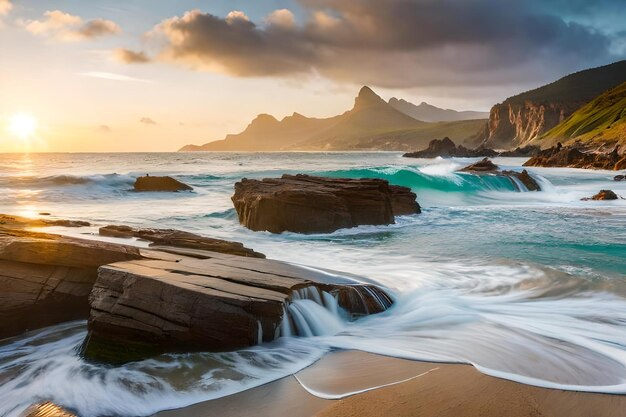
pixel 23 125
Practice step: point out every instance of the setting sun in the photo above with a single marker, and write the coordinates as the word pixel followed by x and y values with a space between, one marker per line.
pixel 23 125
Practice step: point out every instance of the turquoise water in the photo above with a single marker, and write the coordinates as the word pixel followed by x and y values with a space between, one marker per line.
pixel 528 286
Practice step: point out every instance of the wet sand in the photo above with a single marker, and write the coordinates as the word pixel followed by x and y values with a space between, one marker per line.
pixel 396 387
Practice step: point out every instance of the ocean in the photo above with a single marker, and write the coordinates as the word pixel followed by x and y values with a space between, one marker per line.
pixel 526 286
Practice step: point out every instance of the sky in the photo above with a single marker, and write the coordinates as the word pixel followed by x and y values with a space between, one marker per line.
pixel 150 75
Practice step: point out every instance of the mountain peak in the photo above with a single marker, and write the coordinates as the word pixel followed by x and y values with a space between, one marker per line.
pixel 366 98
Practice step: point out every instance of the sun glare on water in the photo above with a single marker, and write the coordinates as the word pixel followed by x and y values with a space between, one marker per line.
pixel 23 125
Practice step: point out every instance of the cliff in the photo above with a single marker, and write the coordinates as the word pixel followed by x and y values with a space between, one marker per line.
pixel 524 118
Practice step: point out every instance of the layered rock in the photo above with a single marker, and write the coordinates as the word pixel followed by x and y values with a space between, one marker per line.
pixel 46 279
pixel 575 157
pixel 141 308
pixel 486 166
pixel 169 184
pixel 181 239
pixel 308 204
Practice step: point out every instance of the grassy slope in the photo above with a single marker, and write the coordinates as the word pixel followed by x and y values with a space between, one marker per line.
pixel 601 121
pixel 581 86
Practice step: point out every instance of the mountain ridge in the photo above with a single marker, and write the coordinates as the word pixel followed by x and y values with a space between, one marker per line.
pixel 371 124
pixel 428 113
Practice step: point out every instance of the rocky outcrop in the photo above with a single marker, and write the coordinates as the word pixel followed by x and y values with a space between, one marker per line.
pixel 12 221
pixel 575 157
pixel 307 204
pixel 445 148
pixel 619 177
pixel 170 184
pixel 486 166
pixel 46 279
pixel 181 239
pixel 603 195
pixel 141 308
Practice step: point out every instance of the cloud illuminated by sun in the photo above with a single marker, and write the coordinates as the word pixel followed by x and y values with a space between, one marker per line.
pixel 23 125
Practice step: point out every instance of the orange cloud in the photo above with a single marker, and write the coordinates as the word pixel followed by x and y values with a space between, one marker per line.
pixel 128 56
pixel 5 7
pixel 69 28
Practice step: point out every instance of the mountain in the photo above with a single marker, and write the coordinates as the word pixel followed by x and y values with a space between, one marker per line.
pixel 524 118
pixel 371 124
pixel 600 123
pixel 429 113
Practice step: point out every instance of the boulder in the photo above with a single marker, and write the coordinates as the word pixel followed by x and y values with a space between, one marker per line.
pixel 181 239
pixel 603 195
pixel 619 177
pixel 485 166
pixel 308 204
pixel 217 303
pixel 149 183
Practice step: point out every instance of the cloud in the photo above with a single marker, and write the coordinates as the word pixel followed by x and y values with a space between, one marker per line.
pixel 112 76
pixel 130 57
pixel 65 27
pixel 104 129
pixel 147 121
pixel 5 7
pixel 392 43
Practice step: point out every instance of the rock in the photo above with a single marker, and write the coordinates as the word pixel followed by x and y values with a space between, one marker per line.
pixel 149 183
pixel 619 177
pixel 445 148
pixel 520 152
pixel 307 204
pixel 46 279
pixel 574 157
pixel 23 222
pixel 221 302
pixel 46 409
pixel 603 195
pixel 528 181
pixel 178 238
pixel 485 166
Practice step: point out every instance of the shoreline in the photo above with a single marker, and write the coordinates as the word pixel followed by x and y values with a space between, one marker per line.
pixel 399 387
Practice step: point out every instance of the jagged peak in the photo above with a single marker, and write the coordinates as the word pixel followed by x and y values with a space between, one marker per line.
pixel 366 98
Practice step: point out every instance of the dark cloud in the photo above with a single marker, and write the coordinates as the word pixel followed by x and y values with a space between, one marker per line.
pixel 148 121
pixel 98 27
pixel 393 43
pixel 131 57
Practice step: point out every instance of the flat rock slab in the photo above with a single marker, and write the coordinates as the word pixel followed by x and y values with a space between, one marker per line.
pixel 222 302
pixel 181 239
pixel 308 204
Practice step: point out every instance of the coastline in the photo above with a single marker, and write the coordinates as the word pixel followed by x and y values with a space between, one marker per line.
pixel 432 389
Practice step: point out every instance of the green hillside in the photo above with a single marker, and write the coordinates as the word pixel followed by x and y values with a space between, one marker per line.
pixel 602 121
pixel 581 86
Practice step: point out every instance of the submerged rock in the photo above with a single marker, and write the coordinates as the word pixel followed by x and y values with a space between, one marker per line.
pixel 619 177
pixel 149 183
pixel 603 195
pixel 221 302
pixel 486 166
pixel 181 239
pixel 308 204
pixel 574 157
